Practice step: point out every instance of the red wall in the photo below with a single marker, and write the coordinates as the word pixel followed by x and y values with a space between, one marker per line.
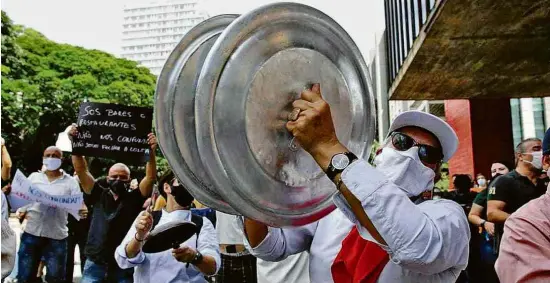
pixel 484 129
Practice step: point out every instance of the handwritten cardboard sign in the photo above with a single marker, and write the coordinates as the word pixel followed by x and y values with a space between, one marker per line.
pixel 113 131
pixel 23 193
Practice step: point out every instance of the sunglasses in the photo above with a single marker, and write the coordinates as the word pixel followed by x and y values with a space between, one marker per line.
pixel 427 153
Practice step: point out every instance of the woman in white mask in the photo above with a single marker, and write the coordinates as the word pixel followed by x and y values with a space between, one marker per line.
pixel 375 219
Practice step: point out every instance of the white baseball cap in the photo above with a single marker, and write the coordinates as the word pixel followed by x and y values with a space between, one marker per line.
pixel 443 132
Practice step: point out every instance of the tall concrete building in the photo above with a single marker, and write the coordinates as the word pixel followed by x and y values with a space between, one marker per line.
pixel 152 29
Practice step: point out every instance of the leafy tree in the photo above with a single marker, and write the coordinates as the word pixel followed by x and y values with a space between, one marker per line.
pixel 44 82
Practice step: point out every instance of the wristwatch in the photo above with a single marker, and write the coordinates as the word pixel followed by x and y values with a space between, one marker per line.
pixel 482 224
pixel 338 163
pixel 197 259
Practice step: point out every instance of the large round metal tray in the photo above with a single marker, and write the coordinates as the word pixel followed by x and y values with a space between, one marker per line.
pixel 256 68
pixel 174 110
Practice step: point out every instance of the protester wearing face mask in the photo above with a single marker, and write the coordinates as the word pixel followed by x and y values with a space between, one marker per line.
pixel 377 233
pixel 46 232
pixel 525 249
pixel 499 168
pixel 511 191
pixel 115 206
pixel 482 246
pixel 481 182
pixel 196 257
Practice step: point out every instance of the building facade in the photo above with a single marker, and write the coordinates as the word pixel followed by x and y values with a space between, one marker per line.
pixel 152 29
pixel 530 116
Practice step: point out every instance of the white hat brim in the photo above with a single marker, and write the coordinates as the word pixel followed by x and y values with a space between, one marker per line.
pixel 445 134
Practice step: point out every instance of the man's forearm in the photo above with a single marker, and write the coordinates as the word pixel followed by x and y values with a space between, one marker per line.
pixel 151 168
pixel 146 185
pixel 254 231
pixel 360 213
pixel 81 168
pixel 207 266
pixel 497 216
pixel 323 157
pixel 133 248
pixel 6 164
pixel 475 219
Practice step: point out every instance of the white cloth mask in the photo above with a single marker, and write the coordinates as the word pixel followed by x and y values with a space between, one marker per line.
pixel 405 169
pixel 537 159
pixel 51 163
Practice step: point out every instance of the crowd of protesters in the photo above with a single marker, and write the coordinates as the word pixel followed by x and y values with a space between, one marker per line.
pixel 509 217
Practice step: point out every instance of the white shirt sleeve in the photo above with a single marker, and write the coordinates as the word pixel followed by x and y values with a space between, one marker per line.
pixel 5 212
pixel 282 242
pixel 208 244
pixel 427 238
pixel 120 253
pixel 75 187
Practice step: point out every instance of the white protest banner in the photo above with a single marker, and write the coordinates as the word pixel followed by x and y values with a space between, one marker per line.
pixel 19 185
pixel 22 188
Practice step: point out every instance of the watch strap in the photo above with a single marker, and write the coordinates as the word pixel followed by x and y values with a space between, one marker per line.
pixel 482 224
pixel 198 258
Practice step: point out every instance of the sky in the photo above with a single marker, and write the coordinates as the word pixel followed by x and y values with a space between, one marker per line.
pixel 97 24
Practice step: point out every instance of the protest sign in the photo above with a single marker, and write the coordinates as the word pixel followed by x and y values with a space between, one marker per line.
pixel 24 192
pixel 113 131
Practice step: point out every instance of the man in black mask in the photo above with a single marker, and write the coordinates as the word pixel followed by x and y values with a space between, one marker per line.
pixel 115 208
pixel 199 254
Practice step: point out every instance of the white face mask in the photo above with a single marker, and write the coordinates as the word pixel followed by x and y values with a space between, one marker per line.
pixel 51 163
pixel 537 159
pixel 481 182
pixel 405 169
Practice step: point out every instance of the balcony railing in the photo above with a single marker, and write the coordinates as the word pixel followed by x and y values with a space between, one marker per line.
pixel 405 20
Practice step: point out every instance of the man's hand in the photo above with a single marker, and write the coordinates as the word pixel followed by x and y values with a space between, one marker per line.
pixel 21 215
pixel 6 189
pixel 83 212
pixel 143 225
pixel 184 254
pixel 152 141
pixel 314 128
pixel 73 131
pixel 489 227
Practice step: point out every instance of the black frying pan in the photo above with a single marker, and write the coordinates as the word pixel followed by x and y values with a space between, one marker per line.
pixel 169 236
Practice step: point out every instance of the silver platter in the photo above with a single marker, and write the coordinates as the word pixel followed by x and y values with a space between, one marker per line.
pixel 257 67
pixel 174 110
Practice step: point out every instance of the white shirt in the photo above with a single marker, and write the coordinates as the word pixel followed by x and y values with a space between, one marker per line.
pixel 228 228
pixel 163 267
pixel 427 242
pixel 294 268
pixel 5 211
pixel 44 221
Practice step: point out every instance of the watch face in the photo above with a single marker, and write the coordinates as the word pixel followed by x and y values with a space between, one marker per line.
pixel 340 161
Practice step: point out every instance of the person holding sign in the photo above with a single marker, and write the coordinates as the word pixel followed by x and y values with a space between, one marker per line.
pixel 197 256
pixel 45 235
pixel 115 206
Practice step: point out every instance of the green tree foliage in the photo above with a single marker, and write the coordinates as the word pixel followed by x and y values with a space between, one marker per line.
pixel 44 82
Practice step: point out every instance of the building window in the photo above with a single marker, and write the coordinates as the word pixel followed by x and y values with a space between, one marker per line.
pixel 538 117
pixel 517 128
